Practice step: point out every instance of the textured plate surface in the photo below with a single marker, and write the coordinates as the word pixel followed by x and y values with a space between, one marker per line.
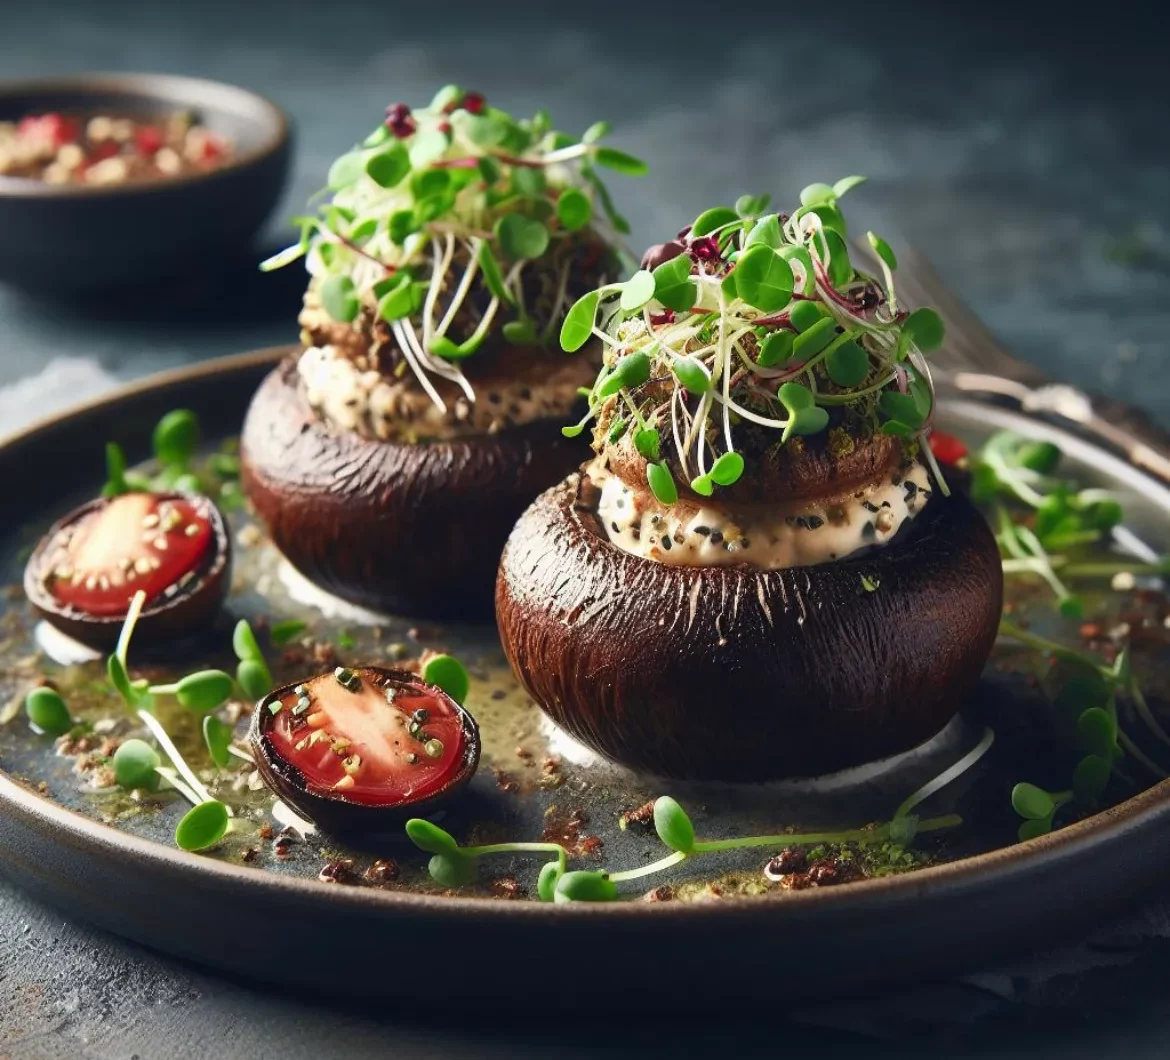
pixel 113 863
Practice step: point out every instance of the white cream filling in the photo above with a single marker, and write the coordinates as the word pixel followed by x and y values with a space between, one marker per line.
pixel 768 537
pixel 377 407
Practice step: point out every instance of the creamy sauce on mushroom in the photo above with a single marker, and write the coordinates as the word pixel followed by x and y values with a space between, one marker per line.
pixel 767 537
pixel 381 408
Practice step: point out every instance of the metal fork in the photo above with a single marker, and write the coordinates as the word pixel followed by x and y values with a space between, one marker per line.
pixel 973 362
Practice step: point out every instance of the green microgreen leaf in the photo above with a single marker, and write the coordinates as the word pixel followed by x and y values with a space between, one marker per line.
pixel 521 238
pixel 449 674
pixel 1097 732
pixel 673 286
pixel 584 886
pixel 346 170
pixel 832 246
pixel 763 279
pixel 800 258
pixel 597 131
pixel 402 223
pixel 217 735
pixel 388 167
pixel 452 870
pixel 620 162
pixel 254 678
pixel 1042 457
pixel 902 408
pixel 1033 829
pixel 752 205
pixel 135 762
pixel 493 276
pixel 203 826
pixel 662 483
pixel 882 249
pixel 690 372
pixel 845 184
pixel 633 369
pixel 1032 802
pixel 804 416
pixel 121 680
pixel 831 217
pixel 528 182
pixel 709 220
pixel 578 323
pixel 814 339
pixel 204 690
pixel 574 210
pixel 176 437
pixel 673 825
pixel 776 348
pixel 637 290
pixel 1091 778
pixel 115 471
pixel 340 298
pixel 616 429
pixel 546 883
pixel 429 146
pixel 765 232
pixel 648 443
pixel 703 485
pixel 521 332
pixel 285 632
pixel 47 711
pixel 925 328
pixel 404 299
pixel 726 471
pixel 620 224
pixel 430 837
pixel 244 642
pixel 847 364
pixel 816 193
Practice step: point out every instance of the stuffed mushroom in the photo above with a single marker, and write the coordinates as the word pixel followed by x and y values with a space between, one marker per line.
pixel 391 456
pixel 763 572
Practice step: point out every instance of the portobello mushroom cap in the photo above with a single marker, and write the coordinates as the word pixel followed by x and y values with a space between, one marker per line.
pixel 743 674
pixel 185 611
pixel 414 528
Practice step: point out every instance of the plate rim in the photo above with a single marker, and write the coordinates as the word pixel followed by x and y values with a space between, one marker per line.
pixel 1136 814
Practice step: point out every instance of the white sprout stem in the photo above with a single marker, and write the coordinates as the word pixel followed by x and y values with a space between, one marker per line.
pixel 131 620
pixel 675 400
pixel 700 417
pixel 648 870
pixel 411 359
pixel 441 263
pixel 566 153
pixel 562 293
pixel 723 358
pixel 935 470
pixel 172 778
pixel 440 367
pixel 747 414
pixel 460 291
pixel 172 752
pixel 945 777
pixel 239 752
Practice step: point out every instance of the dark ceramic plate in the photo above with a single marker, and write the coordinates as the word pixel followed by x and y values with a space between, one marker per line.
pixel 727 936
pixel 65 239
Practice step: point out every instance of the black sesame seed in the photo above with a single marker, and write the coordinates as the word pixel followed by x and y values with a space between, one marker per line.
pixel 885 504
pixel 814 522
pixel 616 530
pixel 869 506
pixel 868 532
pixel 702 531
pixel 666 543
pixel 716 537
pixel 910 486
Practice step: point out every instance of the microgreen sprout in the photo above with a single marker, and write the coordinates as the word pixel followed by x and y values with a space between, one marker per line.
pixel 453 866
pixel 748 321
pixel 175 444
pixel 252 674
pixel 449 674
pixel 200 692
pixel 286 632
pixel 47 711
pixel 444 204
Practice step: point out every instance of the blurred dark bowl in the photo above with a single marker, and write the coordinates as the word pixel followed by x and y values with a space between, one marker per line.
pixel 69 239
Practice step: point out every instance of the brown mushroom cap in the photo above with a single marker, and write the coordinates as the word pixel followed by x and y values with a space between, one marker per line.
pixel 410 528
pixel 741 674
pixel 165 619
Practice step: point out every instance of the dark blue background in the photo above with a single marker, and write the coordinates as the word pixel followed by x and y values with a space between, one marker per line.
pixel 1025 149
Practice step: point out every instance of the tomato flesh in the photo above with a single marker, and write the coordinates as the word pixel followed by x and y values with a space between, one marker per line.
pixel 359 743
pixel 133 541
pixel 947 448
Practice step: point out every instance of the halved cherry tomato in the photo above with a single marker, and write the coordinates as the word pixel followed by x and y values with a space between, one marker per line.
pixel 55 128
pixel 369 741
pixel 133 541
pixel 148 139
pixel 947 448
